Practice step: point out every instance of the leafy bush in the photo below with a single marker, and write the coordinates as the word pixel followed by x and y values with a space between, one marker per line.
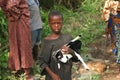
pixel 69 4
pixel 94 6
pixel 3 44
pixel 3 28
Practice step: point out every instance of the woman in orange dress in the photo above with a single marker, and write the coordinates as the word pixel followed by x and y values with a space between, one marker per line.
pixel 111 15
pixel 18 15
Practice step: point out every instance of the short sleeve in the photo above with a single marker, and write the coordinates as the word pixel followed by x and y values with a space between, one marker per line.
pixel 45 56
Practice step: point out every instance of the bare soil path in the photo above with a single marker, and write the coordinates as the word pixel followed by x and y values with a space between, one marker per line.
pixel 101 49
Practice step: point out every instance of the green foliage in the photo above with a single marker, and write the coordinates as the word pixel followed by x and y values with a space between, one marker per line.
pixel 95 77
pixel 3 43
pixel 12 77
pixel 3 60
pixel 3 28
pixel 69 4
pixel 90 77
pixel 3 39
pixel 46 29
pixel 94 6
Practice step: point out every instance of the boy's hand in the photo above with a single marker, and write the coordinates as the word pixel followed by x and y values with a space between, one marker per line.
pixel 55 77
pixel 52 74
pixel 65 49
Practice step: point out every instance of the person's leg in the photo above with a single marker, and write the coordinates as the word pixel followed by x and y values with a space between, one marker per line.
pixel 36 40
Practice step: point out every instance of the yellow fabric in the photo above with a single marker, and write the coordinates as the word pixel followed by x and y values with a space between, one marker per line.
pixel 110 7
pixel 118 8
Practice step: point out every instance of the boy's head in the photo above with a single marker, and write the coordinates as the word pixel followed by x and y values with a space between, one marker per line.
pixel 54 13
pixel 55 19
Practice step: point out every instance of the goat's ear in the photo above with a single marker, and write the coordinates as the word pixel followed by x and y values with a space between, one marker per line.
pixel 76 45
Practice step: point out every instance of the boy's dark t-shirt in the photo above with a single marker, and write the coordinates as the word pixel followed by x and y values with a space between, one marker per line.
pixel 46 59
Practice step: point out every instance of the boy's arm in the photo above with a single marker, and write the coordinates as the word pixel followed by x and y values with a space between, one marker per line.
pixel 44 58
pixel 52 74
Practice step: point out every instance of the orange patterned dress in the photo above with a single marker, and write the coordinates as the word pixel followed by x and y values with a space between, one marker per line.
pixel 110 7
pixel 18 15
pixel 111 14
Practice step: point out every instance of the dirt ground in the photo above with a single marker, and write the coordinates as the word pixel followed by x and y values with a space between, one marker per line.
pixel 101 49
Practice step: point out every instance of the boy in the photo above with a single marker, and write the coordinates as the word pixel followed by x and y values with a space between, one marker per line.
pixel 53 68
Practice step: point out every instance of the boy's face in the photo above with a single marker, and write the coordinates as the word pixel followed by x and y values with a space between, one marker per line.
pixel 55 23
